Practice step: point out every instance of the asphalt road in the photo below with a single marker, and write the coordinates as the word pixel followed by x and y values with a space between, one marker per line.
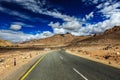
pixel 59 65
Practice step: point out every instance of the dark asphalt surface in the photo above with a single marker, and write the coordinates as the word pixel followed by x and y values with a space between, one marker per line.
pixel 59 65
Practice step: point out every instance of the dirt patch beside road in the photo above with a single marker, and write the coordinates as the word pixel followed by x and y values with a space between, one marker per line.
pixel 109 55
pixel 24 59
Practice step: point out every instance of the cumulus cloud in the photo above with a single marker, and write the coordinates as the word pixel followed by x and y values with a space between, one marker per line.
pixel 68 26
pixel 109 9
pixel 59 31
pixel 90 15
pixel 111 12
pixel 16 36
pixel 102 5
pixel 74 26
pixel 54 25
pixel 15 27
pixel 70 22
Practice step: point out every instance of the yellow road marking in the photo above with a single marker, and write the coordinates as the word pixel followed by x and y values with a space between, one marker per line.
pixel 26 74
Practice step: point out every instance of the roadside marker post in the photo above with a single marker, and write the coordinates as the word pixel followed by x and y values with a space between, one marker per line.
pixel 14 61
pixel 30 55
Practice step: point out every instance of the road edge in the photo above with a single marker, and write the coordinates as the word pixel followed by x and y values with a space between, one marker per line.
pixel 31 68
pixel 95 60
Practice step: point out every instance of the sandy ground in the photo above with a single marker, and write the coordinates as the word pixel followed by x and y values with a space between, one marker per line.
pixel 109 55
pixel 22 57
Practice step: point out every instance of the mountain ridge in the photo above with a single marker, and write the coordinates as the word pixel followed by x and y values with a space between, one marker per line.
pixel 4 43
pixel 110 36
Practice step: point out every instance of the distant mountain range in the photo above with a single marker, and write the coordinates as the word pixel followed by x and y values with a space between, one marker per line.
pixel 56 40
pixel 4 43
pixel 110 36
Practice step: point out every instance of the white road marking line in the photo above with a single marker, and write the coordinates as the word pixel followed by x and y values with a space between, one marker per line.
pixel 61 57
pixel 80 73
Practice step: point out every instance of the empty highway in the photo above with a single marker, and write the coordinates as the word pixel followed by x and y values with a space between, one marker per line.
pixel 59 65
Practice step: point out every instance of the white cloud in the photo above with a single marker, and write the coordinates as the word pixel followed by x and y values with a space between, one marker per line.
pixel 46 34
pixel 68 26
pixel 59 31
pixel 90 15
pixel 22 24
pixel 73 25
pixel 70 23
pixel 36 6
pixel 59 15
pixel 95 1
pixel 102 26
pixel 91 2
pixel 112 13
pixel 108 11
pixel 15 27
pixel 14 13
pixel 99 6
pixel 54 25
pixel 103 5
pixel 16 36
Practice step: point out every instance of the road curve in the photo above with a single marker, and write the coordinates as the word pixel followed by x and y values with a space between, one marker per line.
pixel 59 65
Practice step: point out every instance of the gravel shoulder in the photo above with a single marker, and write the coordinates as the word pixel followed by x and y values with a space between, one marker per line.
pixel 97 53
pixel 24 60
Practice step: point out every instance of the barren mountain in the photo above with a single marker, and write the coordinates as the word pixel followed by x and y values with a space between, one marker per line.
pixel 5 43
pixel 56 40
pixel 104 47
pixel 78 39
pixel 110 36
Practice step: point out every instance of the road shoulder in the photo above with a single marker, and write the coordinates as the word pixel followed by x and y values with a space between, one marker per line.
pixel 94 59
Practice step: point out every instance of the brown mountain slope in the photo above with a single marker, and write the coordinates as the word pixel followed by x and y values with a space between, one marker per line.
pixel 78 39
pixel 110 36
pixel 58 39
pixel 5 43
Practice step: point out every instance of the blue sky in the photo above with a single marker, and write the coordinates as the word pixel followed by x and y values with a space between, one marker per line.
pixel 23 20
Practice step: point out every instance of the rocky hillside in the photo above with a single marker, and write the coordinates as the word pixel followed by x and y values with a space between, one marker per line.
pixel 110 36
pixel 78 39
pixel 58 39
pixel 112 30
pixel 4 43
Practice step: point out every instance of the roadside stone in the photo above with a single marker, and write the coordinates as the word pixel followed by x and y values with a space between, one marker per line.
pixel 109 62
pixel 118 53
pixel 2 60
pixel 107 56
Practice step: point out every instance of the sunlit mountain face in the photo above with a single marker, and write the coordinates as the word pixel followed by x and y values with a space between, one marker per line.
pixel 23 20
